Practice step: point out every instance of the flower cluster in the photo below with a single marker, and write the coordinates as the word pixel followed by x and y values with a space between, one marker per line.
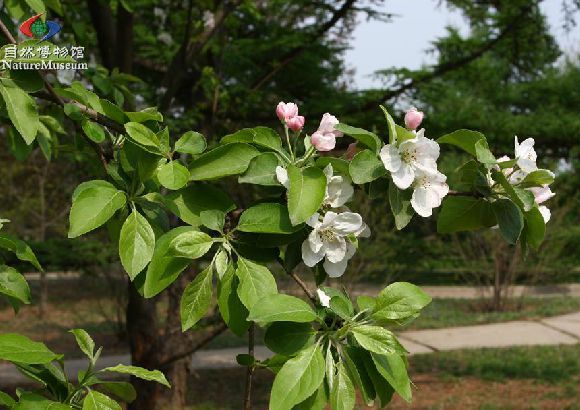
pixel 525 163
pixel 334 233
pixel 288 114
pixel 413 162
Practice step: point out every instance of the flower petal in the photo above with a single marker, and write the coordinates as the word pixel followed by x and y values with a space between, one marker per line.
pixel 403 177
pixel 391 158
pixel 309 257
pixel 335 270
pixel 546 214
pixel 347 223
pixel 424 200
pixel 282 176
pixel 335 249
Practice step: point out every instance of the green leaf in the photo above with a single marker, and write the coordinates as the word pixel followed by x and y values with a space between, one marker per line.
pixel 143 137
pixel 262 170
pixel 123 390
pixel 37 6
pixel 377 340
pixel 353 359
pixel 196 299
pixel 287 338
pixel 173 175
pixel 317 401
pixel 342 396
pixel 6 400
pixel 190 244
pixel 384 391
pixel 221 262
pixel 85 342
pixel 94 203
pixel 463 213
pixel 537 178
pixel 534 228
pixel 150 375
pixel 267 218
pixel 306 193
pixel 32 401
pixel 191 142
pixel 93 130
pixel 341 306
pixel 256 282
pixel 392 367
pixel 400 202
pixel 95 400
pixel 464 139
pixel 267 138
pixel 233 312
pixel 21 109
pixel 510 219
pixel 136 243
pixel 189 202
pixel 338 164
pixel 390 125
pixel 14 285
pixel 225 160
pixel 298 379
pixel 366 167
pixel 483 153
pixel 20 349
pixel 367 138
pixel 20 249
pixel 278 307
pixel 404 134
pixel 213 219
pixel 165 267
pixel 399 300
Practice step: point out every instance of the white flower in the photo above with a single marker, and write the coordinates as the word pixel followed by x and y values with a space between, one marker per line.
pixel 429 190
pixel 542 194
pixel 525 155
pixel 323 298
pixel 329 241
pixel 338 188
pixel 402 162
pixel 546 214
pixel 165 38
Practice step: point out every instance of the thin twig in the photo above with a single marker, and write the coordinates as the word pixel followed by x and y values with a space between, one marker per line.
pixel 250 373
pixel 301 283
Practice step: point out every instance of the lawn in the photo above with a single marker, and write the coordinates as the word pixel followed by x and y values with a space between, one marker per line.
pixel 485 379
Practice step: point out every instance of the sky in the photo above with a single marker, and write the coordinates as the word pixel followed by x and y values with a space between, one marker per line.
pixel 404 41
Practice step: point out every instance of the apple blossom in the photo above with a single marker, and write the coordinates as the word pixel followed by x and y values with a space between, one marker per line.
pixel 338 189
pixel 286 111
pixel 525 154
pixel 324 139
pixel 330 240
pixel 429 189
pixel 413 118
pixel 295 123
pixel 323 298
pixel 419 153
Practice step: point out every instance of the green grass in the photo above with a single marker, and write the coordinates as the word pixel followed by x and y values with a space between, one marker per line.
pixel 462 312
pixel 551 364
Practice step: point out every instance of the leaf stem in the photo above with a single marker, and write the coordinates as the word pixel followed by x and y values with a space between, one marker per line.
pixel 288 142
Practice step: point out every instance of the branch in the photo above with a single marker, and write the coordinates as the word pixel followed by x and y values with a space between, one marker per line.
pixel 184 56
pixel 301 283
pixel 102 20
pixel 219 329
pixel 250 372
pixel 295 52
pixel 471 194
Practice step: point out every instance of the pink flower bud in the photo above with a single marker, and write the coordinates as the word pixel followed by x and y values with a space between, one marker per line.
pixel 351 151
pixel 285 111
pixel 323 142
pixel 413 118
pixel 295 123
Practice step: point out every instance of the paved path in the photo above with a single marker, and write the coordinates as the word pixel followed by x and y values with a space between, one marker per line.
pixel 557 330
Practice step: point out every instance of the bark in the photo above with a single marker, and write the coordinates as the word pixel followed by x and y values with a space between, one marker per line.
pixel 102 20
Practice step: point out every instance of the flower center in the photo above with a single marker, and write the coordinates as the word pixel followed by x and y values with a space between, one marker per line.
pixel 423 182
pixel 409 156
pixel 327 235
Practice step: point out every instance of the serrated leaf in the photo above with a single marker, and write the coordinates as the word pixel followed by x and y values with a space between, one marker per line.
pixel 173 175
pixel 95 400
pixel 196 299
pixel 22 110
pixel 136 243
pixel 85 342
pixel 399 300
pixel 20 349
pixel 278 307
pixel 267 218
pixel 150 375
pixel 256 282
pixel 306 192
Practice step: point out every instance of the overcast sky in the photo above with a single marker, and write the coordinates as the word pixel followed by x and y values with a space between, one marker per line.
pixel 403 42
